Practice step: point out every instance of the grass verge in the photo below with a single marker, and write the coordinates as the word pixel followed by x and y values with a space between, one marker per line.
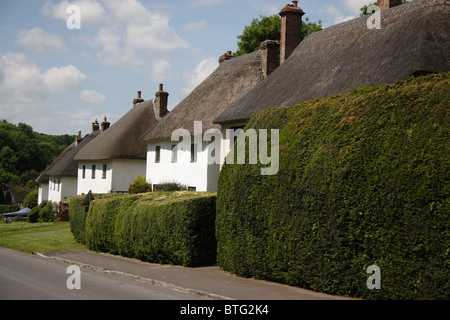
pixel 37 237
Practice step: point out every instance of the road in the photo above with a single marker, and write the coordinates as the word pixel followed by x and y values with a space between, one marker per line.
pixel 31 277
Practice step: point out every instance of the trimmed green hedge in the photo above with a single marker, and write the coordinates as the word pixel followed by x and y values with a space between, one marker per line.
pixel 363 180
pixel 78 214
pixel 164 227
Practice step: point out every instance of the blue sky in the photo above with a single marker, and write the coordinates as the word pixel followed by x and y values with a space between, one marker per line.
pixel 59 80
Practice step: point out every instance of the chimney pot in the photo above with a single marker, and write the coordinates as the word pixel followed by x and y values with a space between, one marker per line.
pixel 270 53
pixel 78 138
pixel 227 56
pixel 138 99
pixel 291 29
pixel 161 98
pixel 387 4
pixel 105 124
pixel 95 126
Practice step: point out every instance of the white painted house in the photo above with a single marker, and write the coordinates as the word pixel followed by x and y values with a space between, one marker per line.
pixel 111 162
pixel 59 180
pixel 190 161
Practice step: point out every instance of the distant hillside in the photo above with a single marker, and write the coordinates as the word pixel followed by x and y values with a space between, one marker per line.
pixel 24 153
pixel 363 180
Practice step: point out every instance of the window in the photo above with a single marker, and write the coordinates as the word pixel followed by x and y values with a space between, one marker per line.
pixel 59 182
pixel 157 154
pixel 193 153
pixel 93 172
pixel 83 175
pixel 104 171
pixel 174 153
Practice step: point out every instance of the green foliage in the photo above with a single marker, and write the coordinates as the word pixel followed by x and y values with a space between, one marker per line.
pixel 268 28
pixel 363 179
pixel 23 151
pixel 78 215
pixel 31 199
pixel 47 212
pixel 139 185
pixel 5 208
pixel 163 227
pixel 170 186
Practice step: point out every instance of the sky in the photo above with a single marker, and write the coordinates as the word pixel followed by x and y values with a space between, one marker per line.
pixel 59 79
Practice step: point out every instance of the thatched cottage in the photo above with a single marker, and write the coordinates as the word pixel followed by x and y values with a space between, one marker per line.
pixel 59 180
pixel 413 39
pixel 192 166
pixel 112 161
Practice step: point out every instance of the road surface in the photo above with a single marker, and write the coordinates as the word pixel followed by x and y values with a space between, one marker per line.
pixel 31 277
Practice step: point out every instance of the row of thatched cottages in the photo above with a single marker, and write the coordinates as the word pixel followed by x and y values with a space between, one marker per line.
pixel 413 40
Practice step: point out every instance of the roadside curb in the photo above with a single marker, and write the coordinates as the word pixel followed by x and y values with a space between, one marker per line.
pixel 166 285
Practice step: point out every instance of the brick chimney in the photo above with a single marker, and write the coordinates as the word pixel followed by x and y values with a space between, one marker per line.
pixel 138 99
pixel 227 56
pixel 270 56
pixel 291 29
pixel 105 124
pixel 386 4
pixel 78 139
pixel 95 126
pixel 161 101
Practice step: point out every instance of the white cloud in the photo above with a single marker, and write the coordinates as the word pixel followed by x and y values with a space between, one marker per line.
pixel 92 96
pixel 128 11
pixel 63 79
pixel 39 41
pixel 195 25
pixel 161 71
pixel 112 50
pixel 24 82
pixel 337 14
pixel 205 3
pixel 28 92
pixel 200 73
pixel 341 18
pixel 155 35
pixel 354 5
pixel 92 12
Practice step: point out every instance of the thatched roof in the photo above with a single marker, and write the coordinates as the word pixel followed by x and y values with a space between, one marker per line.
pixel 67 166
pixel 122 139
pixel 44 176
pixel 232 79
pixel 413 39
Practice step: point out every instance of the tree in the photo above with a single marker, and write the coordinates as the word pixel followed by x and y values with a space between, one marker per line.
pixel 268 28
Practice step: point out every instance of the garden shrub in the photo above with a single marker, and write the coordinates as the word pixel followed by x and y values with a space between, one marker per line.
pixel 47 213
pixel 31 199
pixel 33 216
pixel 363 180
pixel 170 186
pixel 139 185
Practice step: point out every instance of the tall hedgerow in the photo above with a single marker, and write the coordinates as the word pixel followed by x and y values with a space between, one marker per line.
pixel 363 180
